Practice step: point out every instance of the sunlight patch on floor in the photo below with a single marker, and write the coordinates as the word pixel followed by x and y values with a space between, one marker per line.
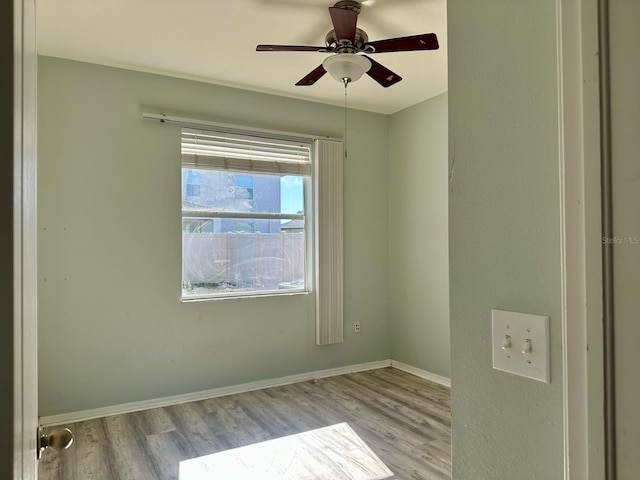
pixel 330 453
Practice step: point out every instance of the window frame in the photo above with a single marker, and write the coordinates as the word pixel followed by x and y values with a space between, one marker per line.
pixel 307 216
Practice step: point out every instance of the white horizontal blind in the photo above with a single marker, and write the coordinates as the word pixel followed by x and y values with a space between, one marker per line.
pixel 329 241
pixel 244 153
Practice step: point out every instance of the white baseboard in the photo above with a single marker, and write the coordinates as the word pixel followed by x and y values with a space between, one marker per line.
pixel 421 373
pixel 72 417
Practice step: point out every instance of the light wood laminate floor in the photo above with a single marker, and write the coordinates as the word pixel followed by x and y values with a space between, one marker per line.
pixel 403 419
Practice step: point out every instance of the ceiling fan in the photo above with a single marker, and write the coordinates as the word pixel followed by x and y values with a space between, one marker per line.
pixel 349 45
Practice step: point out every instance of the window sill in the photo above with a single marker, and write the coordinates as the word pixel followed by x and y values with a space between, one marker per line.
pixel 270 294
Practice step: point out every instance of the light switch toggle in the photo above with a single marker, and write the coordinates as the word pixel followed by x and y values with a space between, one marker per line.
pixel 506 344
pixel 527 347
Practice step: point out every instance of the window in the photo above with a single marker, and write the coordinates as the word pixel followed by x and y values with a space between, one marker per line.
pixel 193 190
pixel 192 180
pixel 244 229
pixel 196 226
pixel 244 186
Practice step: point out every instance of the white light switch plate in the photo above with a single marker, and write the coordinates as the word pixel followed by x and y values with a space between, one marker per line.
pixel 511 330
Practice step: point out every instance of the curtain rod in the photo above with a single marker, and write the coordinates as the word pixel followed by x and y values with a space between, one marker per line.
pixel 235 128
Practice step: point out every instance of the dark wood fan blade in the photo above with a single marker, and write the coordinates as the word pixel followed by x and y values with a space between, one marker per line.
pixel 312 77
pixel 427 41
pixel 382 74
pixel 344 23
pixel 290 48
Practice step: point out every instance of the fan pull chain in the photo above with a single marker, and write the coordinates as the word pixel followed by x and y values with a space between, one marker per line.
pixel 346 82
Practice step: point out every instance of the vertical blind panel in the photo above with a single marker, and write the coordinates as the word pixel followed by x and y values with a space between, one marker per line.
pixel 329 241
pixel 233 151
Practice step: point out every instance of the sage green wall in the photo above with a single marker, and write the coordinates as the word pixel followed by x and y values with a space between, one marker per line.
pixel 112 328
pixel 504 232
pixel 418 236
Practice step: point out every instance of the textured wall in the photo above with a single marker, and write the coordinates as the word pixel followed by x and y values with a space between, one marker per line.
pixel 418 236
pixel 504 232
pixel 112 328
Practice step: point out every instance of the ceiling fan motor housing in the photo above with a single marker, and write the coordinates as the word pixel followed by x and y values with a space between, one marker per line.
pixel 349 5
pixel 346 46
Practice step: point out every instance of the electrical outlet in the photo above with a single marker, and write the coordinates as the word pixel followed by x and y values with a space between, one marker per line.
pixel 356 327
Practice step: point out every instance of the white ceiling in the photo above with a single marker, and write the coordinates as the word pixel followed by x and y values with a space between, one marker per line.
pixel 214 41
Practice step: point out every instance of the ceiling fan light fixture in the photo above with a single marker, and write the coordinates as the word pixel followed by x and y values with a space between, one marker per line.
pixel 346 67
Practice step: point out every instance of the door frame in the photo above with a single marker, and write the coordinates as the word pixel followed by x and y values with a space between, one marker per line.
pixel 581 231
pixel 25 361
pixel 9 83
